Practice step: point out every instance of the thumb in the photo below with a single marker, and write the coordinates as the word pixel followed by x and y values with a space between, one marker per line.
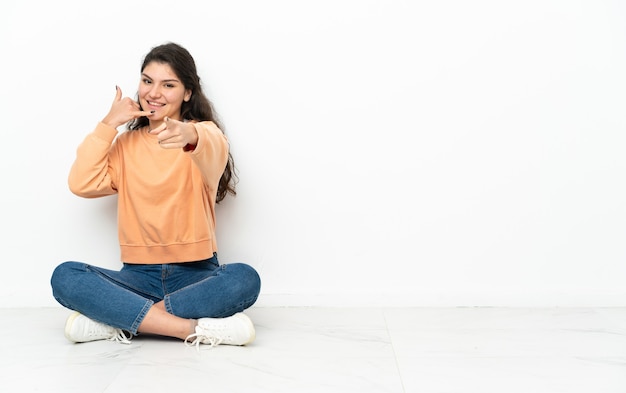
pixel 118 93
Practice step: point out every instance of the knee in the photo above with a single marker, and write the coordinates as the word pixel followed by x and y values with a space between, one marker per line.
pixel 62 273
pixel 62 277
pixel 248 277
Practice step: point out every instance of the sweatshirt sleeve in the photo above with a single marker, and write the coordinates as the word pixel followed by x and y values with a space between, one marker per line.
pixel 92 174
pixel 210 153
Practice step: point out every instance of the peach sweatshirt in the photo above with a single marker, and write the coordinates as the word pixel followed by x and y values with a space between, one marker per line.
pixel 166 198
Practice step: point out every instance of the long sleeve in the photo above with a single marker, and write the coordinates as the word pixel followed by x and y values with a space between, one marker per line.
pixel 92 174
pixel 210 154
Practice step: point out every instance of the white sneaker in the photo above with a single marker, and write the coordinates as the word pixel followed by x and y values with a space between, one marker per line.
pixel 234 330
pixel 80 329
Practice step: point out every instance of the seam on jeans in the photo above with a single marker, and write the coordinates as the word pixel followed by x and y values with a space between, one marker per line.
pixel 141 316
pixel 123 284
pixel 168 304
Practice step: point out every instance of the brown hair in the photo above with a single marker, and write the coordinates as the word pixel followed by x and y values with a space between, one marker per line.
pixel 198 108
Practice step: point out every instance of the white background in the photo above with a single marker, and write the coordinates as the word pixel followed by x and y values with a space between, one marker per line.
pixel 426 153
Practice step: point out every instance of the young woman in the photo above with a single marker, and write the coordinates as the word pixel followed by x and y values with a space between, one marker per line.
pixel 169 169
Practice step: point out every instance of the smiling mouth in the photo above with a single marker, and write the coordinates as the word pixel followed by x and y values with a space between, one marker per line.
pixel 152 103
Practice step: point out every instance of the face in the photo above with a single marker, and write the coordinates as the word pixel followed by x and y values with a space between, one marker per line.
pixel 161 91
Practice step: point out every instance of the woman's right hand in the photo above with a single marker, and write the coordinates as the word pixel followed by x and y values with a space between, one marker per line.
pixel 123 110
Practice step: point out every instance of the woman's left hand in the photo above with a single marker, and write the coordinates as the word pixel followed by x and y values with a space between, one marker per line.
pixel 174 134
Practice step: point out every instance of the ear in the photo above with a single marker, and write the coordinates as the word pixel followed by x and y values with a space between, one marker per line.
pixel 187 95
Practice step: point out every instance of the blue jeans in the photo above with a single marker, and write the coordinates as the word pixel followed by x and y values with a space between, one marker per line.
pixel 189 290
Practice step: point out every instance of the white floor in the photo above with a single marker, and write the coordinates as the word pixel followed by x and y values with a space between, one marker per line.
pixel 425 350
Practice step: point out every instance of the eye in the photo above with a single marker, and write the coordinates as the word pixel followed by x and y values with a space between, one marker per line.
pixel 147 81
pixel 169 85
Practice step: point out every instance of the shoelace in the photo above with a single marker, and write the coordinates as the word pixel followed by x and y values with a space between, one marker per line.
pixel 100 330
pixel 199 338
pixel 120 337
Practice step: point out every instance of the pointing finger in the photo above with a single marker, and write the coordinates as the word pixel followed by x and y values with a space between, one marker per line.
pixel 158 129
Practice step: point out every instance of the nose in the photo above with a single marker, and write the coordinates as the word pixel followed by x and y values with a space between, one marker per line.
pixel 155 91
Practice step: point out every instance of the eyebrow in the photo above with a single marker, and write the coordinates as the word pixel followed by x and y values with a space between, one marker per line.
pixel 166 80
